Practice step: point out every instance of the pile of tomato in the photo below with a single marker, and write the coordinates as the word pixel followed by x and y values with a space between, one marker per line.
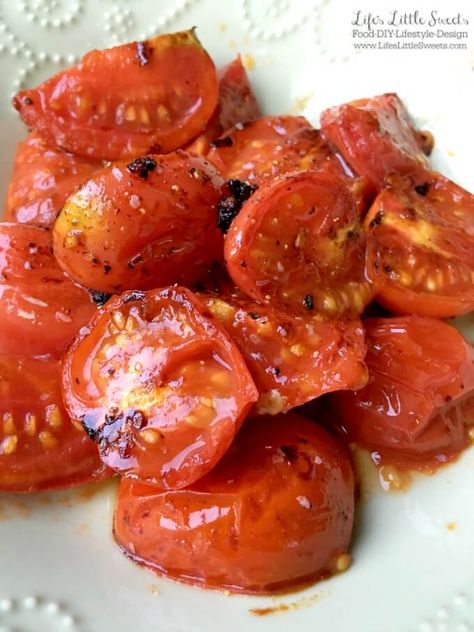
pixel 180 273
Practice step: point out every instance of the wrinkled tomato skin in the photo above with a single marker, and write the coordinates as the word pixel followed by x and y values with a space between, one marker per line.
pixel 133 99
pixel 298 242
pixel 276 512
pixel 261 150
pixel 420 255
pixel 375 136
pixel 417 404
pixel 236 104
pixel 141 225
pixel 43 178
pixel 40 448
pixel 41 309
pixel 159 385
pixel 293 359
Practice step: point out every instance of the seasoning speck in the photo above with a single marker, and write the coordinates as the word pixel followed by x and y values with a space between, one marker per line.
pixel 308 302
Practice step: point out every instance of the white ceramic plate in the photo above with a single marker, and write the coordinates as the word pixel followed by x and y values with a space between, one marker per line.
pixel 413 552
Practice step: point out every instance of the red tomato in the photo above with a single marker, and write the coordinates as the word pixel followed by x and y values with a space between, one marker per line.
pixel 292 359
pixel 159 385
pixel 41 309
pixel 138 98
pixel 277 511
pixel 420 388
pixel 421 246
pixel 142 225
pixel 271 146
pixel 298 241
pixel 43 177
pixel 375 136
pixel 39 446
pixel 236 104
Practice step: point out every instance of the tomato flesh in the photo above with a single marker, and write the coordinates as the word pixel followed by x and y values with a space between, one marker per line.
pixel 236 104
pixel 277 511
pixel 39 446
pixel 133 99
pixel 375 136
pixel 298 241
pixel 41 309
pixel 293 359
pixel 159 385
pixel 43 178
pixel 421 246
pixel 417 403
pixel 261 150
pixel 149 223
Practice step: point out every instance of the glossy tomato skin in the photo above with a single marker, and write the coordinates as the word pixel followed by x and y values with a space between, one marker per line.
pixel 298 241
pixel 276 512
pixel 420 254
pixel 159 385
pixel 416 405
pixel 43 177
pixel 137 98
pixel 143 224
pixel 236 104
pixel 40 448
pixel 375 136
pixel 41 309
pixel 293 359
pixel 262 150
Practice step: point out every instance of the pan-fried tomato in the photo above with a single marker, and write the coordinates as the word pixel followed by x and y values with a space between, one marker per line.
pixel 275 512
pixel 292 359
pixel 43 177
pixel 41 309
pixel 421 246
pixel 145 224
pixel 259 151
pixel 159 385
pixel 420 393
pixel 40 448
pixel 236 104
pixel 375 136
pixel 138 98
pixel 299 241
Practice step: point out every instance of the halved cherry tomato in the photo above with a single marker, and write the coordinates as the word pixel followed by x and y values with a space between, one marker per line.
pixel 277 511
pixel 375 136
pixel 259 151
pixel 159 385
pixel 41 309
pixel 138 98
pixel 142 225
pixel 299 241
pixel 43 177
pixel 420 393
pixel 421 246
pixel 292 359
pixel 40 448
pixel 237 104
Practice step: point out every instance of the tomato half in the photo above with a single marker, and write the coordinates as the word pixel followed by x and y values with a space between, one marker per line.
pixel 416 404
pixel 41 309
pixel 145 224
pixel 375 136
pixel 275 512
pixel 159 385
pixel 299 241
pixel 236 104
pixel 421 246
pixel 43 177
pixel 138 98
pixel 261 150
pixel 40 448
pixel 292 359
